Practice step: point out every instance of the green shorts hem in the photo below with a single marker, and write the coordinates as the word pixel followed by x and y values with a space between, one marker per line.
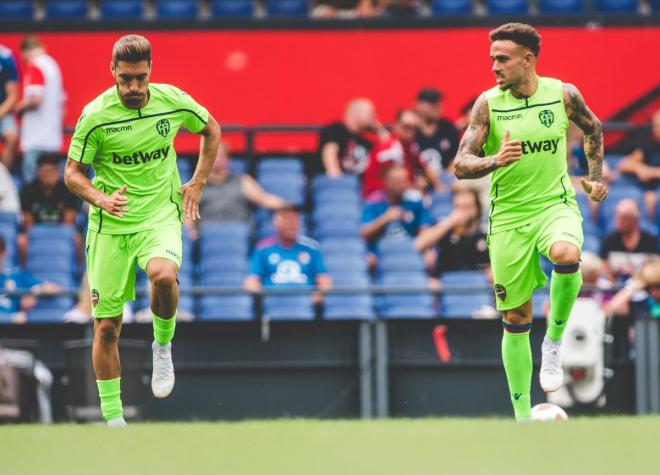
pixel 509 306
pixel 109 314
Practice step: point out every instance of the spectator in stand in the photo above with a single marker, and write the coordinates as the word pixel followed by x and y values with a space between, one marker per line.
pixel 398 8
pixel 47 200
pixel 628 246
pixel 41 107
pixel 641 295
pixel 8 100
pixel 460 244
pixel 8 195
pixel 399 148
pixel 229 197
pixel 595 280
pixel 395 214
pixel 344 9
pixel 288 259
pixel 13 309
pixel 344 146
pixel 644 164
pixel 437 137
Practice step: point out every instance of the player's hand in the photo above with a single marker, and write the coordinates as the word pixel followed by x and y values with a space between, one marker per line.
pixel 510 151
pixel 393 213
pixel 597 191
pixel 115 204
pixel 192 193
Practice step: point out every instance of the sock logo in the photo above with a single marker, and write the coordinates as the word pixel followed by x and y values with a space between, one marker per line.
pixel 516 396
pixel 559 322
pixel 500 291
pixel 94 297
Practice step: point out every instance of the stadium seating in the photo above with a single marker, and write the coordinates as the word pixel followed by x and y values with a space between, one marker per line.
pixel 176 9
pixel 451 7
pixel 507 7
pixel 232 8
pixel 288 8
pixel 238 167
pixel 655 5
pixel 185 169
pixel 288 307
pixel 409 304
pixel 441 205
pixel 16 10
pixel 8 233
pixel 122 9
pixel 461 305
pixel 224 307
pixel 616 6
pixel 65 9
pixel 561 6
pixel 279 166
pixel 343 245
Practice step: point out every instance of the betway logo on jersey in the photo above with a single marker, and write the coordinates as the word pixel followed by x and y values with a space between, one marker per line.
pixel 136 158
pixel 540 146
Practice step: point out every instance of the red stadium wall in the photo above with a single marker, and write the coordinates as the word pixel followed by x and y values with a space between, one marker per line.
pixel 306 77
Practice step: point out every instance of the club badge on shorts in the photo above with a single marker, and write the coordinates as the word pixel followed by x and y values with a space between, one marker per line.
pixel 500 291
pixel 94 296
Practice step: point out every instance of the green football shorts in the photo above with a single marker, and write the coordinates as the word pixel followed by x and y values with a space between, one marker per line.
pixel 514 254
pixel 111 262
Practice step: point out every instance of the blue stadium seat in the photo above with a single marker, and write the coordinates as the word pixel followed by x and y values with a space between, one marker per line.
pixel 232 8
pixel 176 9
pixel 591 244
pixel 289 187
pixel 49 263
pixel 336 228
pixel 345 182
pixel 451 7
pixel 343 246
pixel 49 309
pixel 507 7
pixel 616 6
pixel 461 305
pixel 405 246
pixel 561 6
pixel 288 307
pixel 63 279
pixel 51 232
pixel 279 166
pixel 441 206
pixel 340 198
pixel 8 233
pixel 223 238
pixel 330 212
pixel 339 306
pixel 345 264
pixel 61 248
pixel 17 10
pixel 8 218
pixel 539 298
pixel 185 169
pixel 223 264
pixel 122 9
pixel 66 9
pixel 288 8
pixel 238 167
pixel 400 262
pixel 230 307
pixel 406 305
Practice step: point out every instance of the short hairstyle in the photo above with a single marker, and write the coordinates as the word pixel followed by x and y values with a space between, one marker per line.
pixel 429 94
pixel 132 49
pixel 48 158
pixel 30 42
pixel 288 208
pixel 520 33
pixel 403 111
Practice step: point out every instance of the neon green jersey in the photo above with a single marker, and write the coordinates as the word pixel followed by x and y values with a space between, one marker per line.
pixel 528 189
pixel 136 148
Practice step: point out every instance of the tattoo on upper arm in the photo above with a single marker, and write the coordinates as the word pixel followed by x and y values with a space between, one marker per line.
pixel 469 163
pixel 586 120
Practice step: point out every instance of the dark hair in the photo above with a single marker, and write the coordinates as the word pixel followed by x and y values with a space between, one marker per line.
pixel 3 246
pixel 429 94
pixel 132 49
pixel 520 33
pixel 30 42
pixel 48 158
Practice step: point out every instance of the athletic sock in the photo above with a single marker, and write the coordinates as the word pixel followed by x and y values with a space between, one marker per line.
pixel 517 358
pixel 110 395
pixel 564 288
pixel 164 329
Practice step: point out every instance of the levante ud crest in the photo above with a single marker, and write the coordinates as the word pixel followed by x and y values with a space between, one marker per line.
pixel 163 127
pixel 547 117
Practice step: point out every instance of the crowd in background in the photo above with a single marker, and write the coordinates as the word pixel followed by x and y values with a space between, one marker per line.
pixel 401 169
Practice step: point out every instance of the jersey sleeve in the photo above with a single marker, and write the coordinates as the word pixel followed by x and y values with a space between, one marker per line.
pixel 195 116
pixel 85 141
pixel 33 81
pixel 256 264
pixel 9 65
pixel 319 263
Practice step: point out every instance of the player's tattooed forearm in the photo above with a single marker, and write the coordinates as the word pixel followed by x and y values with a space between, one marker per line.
pixel 468 162
pixel 586 120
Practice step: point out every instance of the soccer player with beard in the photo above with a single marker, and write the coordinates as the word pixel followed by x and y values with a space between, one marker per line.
pixel 517 132
pixel 137 200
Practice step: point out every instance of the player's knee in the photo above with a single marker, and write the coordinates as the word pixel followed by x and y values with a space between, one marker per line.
pixel 107 332
pixel 564 253
pixel 517 316
pixel 164 277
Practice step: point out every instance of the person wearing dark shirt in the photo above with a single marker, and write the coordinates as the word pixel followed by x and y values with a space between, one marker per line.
pixel 344 146
pixel 641 295
pixel 437 137
pixel 47 201
pixel 628 246
pixel 644 164
pixel 460 243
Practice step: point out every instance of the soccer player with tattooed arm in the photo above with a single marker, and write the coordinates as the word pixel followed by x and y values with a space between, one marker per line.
pixel 137 204
pixel 517 133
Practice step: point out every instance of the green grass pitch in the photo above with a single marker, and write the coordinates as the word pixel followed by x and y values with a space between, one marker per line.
pixel 580 446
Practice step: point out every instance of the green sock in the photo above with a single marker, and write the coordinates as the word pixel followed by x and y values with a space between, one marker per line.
pixel 517 358
pixel 110 394
pixel 164 329
pixel 564 289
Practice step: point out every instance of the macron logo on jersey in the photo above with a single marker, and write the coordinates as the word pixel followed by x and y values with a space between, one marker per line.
pixel 540 146
pixel 114 130
pixel 137 158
